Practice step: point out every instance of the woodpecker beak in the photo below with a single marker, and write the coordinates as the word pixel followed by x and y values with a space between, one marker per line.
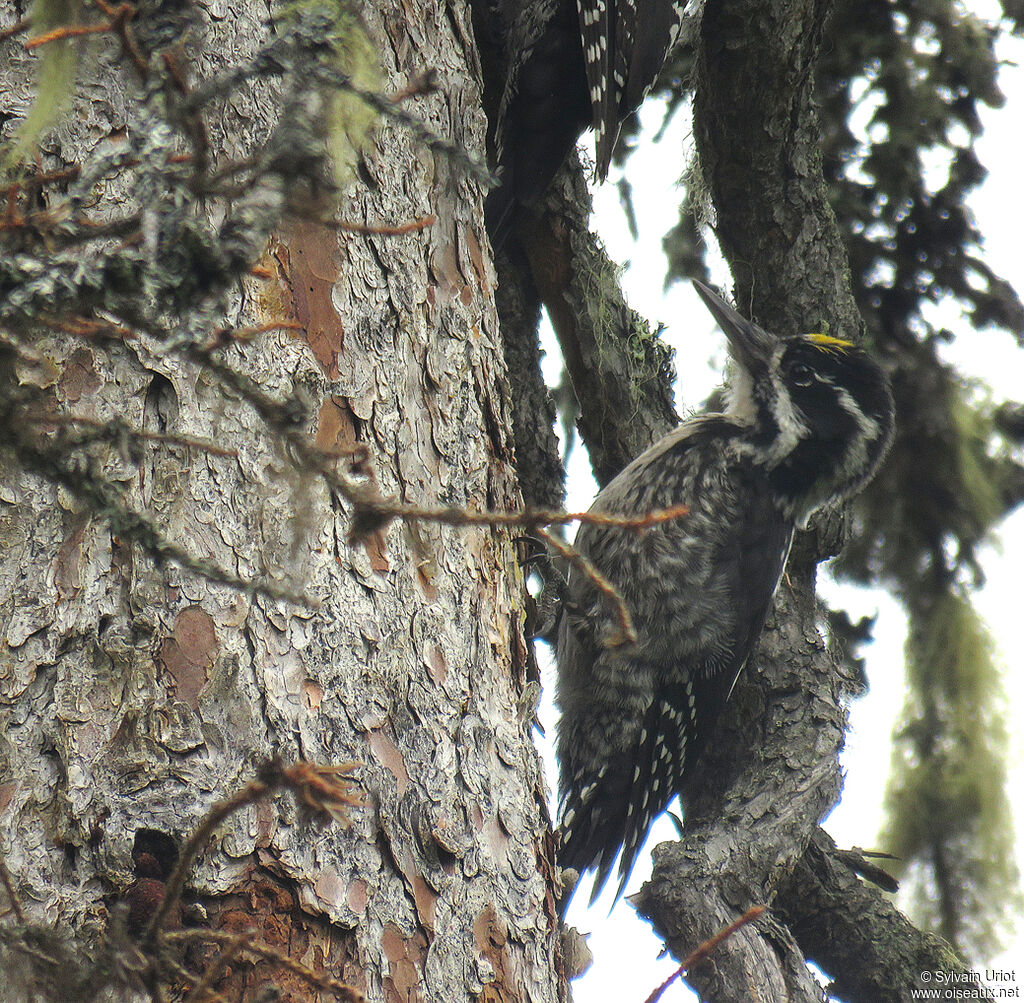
pixel 749 345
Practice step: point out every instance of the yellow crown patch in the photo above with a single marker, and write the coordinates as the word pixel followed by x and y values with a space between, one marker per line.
pixel 829 344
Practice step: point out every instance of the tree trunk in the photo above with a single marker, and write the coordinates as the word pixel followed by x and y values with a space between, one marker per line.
pixel 136 693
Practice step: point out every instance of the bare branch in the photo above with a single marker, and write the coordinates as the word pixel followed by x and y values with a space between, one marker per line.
pixel 705 950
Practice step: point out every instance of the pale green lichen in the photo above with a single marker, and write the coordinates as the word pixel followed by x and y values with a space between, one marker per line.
pixel 349 118
pixel 56 68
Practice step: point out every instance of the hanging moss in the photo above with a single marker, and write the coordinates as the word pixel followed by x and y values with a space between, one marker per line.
pixel 55 78
pixel 948 816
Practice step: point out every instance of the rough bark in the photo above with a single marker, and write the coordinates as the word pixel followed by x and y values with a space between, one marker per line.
pixel 136 695
pixel 769 776
pixel 620 372
pixel 759 143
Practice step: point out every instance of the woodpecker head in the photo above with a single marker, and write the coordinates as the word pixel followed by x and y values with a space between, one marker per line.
pixel 820 409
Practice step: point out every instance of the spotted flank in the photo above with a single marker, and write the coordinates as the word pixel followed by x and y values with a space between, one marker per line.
pixel 829 344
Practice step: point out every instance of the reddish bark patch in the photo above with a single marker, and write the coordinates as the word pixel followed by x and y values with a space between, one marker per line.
pixel 189 653
pixel 196 634
pixel 437 664
pixel 358 896
pixel 476 255
pixel 336 431
pixel 6 793
pixel 79 378
pixel 67 567
pixel 405 958
pixel 269 909
pixel 312 695
pixel 335 426
pixel 310 263
pixel 426 902
pixel 387 754
pixel 491 935
pixel 376 551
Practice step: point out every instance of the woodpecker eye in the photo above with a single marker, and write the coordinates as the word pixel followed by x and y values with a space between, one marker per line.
pixel 801 375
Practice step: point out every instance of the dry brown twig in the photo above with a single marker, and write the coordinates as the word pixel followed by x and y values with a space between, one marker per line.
pixel 120 23
pixel 39 179
pixel 382 230
pixel 225 335
pixel 115 426
pixel 89 328
pixel 119 18
pixel 327 790
pixel 203 991
pixel 425 83
pixel 705 950
pixel 372 513
pixel 383 510
pixel 627 632
pixel 268 953
pixel 15 29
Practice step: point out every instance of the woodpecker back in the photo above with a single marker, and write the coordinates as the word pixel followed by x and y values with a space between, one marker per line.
pixel 809 422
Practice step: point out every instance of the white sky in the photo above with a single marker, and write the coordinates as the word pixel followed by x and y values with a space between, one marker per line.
pixel 626 965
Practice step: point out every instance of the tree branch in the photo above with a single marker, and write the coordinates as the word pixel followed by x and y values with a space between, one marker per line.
pixel 621 373
pixel 872 952
pixel 766 779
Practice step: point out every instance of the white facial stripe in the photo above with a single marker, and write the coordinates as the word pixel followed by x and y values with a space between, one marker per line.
pixel 857 451
pixel 791 428
pixel 868 426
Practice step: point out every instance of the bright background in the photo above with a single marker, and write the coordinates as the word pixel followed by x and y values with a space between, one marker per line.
pixel 626 952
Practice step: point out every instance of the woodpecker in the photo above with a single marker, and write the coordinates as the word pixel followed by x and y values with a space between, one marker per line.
pixel 810 419
pixel 572 64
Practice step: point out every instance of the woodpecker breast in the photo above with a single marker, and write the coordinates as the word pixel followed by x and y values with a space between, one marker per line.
pixel 810 420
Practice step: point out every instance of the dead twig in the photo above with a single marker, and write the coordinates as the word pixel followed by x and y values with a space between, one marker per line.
pixel 705 950
pixel 627 632
pixel 120 18
pixel 425 83
pixel 268 953
pixel 176 882
pixel 224 335
pixel 65 31
pixel 413 226
pixel 15 29
pixel 324 789
pixel 379 511
pixel 203 991
pixel 115 428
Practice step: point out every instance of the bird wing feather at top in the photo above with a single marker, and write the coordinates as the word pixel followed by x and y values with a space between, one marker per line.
pixel 597 18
